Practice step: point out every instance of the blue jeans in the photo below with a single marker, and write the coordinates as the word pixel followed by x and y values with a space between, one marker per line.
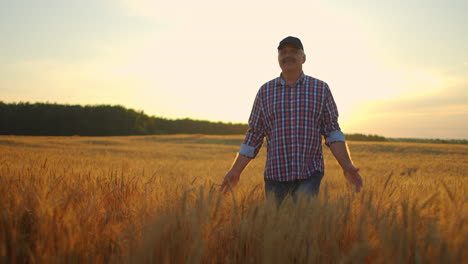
pixel 307 187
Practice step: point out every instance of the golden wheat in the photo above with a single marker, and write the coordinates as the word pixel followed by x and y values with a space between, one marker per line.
pixel 153 199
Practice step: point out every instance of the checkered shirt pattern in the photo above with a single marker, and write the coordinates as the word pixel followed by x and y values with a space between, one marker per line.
pixel 292 119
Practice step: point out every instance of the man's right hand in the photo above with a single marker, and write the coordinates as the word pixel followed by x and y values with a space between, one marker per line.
pixel 230 180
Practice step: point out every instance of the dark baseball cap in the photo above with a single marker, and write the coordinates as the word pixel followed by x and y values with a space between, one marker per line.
pixel 293 41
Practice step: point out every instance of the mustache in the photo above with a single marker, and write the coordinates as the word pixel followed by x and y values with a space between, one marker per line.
pixel 289 59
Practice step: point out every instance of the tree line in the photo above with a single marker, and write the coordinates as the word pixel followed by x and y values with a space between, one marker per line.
pixel 45 119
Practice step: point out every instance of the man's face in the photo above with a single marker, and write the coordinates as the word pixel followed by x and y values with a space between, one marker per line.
pixel 291 58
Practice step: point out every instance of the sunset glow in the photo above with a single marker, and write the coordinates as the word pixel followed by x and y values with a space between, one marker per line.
pixel 397 70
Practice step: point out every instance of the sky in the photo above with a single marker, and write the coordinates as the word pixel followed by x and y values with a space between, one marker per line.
pixel 395 68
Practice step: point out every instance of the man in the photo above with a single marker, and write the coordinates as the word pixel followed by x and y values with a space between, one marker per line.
pixel 293 111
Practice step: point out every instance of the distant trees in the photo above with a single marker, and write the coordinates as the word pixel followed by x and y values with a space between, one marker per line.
pixel 362 137
pixel 98 120
pixel 44 119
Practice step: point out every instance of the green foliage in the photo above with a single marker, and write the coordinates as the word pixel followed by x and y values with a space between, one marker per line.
pixel 44 119
pixel 429 140
pixel 362 137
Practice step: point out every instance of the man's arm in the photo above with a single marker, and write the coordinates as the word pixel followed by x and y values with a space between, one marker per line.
pixel 233 175
pixel 340 151
pixel 335 140
pixel 250 147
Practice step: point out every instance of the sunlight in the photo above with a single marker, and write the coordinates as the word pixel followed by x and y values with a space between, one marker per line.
pixel 207 59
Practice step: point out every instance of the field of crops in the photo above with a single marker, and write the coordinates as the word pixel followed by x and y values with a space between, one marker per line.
pixel 154 199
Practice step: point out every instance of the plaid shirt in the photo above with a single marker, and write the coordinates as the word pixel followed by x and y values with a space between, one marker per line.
pixel 292 119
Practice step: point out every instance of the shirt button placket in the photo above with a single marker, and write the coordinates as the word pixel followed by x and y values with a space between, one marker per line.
pixel 293 130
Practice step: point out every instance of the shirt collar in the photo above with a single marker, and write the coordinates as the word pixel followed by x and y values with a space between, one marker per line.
pixel 299 80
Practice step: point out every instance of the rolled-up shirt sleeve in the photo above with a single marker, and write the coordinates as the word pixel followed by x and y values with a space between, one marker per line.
pixel 330 128
pixel 254 137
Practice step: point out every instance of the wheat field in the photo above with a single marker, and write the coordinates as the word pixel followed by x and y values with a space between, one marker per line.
pixel 155 199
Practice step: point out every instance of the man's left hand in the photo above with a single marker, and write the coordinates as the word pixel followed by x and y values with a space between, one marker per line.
pixel 352 175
